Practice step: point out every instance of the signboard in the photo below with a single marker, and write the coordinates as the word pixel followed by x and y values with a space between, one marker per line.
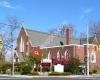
pixel 59 68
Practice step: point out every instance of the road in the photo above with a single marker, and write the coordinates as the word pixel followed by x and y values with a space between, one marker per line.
pixel 48 78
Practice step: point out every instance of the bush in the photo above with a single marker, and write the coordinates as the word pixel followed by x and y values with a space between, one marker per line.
pixel 4 66
pixel 35 73
pixel 98 72
pixel 94 71
pixel 72 66
pixel 67 73
pixel 59 74
pixel 45 69
pixel 26 69
pixel 8 71
pixel 90 72
pixel 66 68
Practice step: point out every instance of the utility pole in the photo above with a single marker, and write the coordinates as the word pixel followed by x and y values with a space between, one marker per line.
pixel 87 52
pixel 12 52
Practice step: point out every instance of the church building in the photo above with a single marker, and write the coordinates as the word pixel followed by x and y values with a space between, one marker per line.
pixel 59 49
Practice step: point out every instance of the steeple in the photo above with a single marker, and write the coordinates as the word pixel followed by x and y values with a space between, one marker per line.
pixel 22 24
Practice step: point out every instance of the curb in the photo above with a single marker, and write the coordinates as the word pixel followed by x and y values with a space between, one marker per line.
pixel 70 76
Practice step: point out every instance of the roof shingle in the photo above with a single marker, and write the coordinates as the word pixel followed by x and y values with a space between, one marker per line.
pixel 44 39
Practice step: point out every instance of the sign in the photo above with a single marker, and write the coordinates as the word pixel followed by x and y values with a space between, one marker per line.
pixel 59 68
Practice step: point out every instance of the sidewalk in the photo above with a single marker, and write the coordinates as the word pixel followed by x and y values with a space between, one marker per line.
pixel 69 76
pixel 6 75
pixel 96 75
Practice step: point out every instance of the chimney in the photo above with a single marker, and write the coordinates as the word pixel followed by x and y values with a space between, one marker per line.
pixel 68 35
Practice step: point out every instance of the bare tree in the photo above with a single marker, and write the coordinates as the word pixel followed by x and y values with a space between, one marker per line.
pixel 61 30
pixel 94 29
pixel 83 35
pixel 9 31
pixel 53 31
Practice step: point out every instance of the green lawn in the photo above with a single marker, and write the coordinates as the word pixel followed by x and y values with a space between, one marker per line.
pixel 98 72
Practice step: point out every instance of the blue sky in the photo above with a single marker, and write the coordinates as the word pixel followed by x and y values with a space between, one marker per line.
pixel 46 14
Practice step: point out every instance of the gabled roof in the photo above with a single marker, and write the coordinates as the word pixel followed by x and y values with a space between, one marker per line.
pixel 98 38
pixel 84 40
pixel 44 39
pixel 92 40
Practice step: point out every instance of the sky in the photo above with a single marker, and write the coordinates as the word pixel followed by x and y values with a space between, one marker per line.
pixel 43 15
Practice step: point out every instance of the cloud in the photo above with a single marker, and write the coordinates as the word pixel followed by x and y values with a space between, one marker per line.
pixel 7 4
pixel 86 12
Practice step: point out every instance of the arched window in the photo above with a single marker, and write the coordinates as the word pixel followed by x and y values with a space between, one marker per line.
pixel 49 55
pixel 21 45
pixel 58 55
pixel 93 57
pixel 66 54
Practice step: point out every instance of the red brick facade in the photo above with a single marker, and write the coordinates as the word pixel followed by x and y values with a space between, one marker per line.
pixel 76 50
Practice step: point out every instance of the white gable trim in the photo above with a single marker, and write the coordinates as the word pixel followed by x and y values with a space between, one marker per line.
pixel 28 37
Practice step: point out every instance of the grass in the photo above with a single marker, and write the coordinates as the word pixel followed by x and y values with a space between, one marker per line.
pixel 60 74
pixel 98 72
pixel 35 73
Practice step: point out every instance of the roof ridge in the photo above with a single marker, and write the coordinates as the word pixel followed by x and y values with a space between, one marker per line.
pixel 44 32
pixel 89 37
